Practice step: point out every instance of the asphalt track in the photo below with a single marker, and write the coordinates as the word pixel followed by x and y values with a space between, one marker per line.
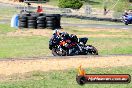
pixel 109 26
pixel 63 57
pixel 120 26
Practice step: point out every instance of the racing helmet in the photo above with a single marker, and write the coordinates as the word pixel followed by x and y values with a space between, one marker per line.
pixel 74 37
pixel 56 31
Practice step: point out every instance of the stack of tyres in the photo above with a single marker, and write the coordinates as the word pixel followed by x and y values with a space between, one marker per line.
pixel 41 23
pixel 32 22
pixel 23 21
pixel 58 19
pixel 50 21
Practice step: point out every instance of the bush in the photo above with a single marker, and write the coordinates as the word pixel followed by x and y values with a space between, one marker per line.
pixel 121 6
pixel 74 4
pixel 130 0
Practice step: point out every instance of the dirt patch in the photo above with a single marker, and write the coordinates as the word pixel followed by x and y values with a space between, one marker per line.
pixel 31 32
pixel 103 29
pixel 23 66
pixel 105 36
pixel 48 33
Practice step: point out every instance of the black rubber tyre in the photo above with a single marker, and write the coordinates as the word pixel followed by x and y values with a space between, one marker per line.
pixel 49 15
pixel 92 50
pixel 34 15
pixel 41 25
pixel 50 22
pixel 57 16
pixel 55 52
pixel 23 20
pixel 32 24
pixel 52 28
pixel 31 21
pixel 22 26
pixel 41 14
pixel 57 27
pixel 41 18
pixel 41 22
pixel 32 18
pixel 50 18
pixel 34 27
pixel 49 25
pixel 22 17
pixel 53 15
pixel 25 14
pixel 126 23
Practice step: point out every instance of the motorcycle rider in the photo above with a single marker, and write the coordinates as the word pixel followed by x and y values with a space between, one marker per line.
pixel 70 39
pixel 65 44
pixel 55 38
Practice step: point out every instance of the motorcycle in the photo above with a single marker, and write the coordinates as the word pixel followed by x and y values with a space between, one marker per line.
pixel 70 48
pixel 127 19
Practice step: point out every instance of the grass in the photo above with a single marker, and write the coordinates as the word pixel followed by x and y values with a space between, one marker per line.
pixel 23 46
pixel 5 28
pixel 63 79
pixel 83 21
pixel 114 45
pixel 53 2
pixel 107 41
pixel 8 12
pixel 93 3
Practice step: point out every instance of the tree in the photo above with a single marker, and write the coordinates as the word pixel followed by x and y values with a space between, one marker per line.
pixel 130 0
pixel 74 4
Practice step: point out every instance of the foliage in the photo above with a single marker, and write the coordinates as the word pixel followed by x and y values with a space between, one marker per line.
pixel 122 5
pixel 74 4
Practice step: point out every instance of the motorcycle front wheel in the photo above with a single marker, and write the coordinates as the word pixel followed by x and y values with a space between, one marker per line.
pixel 92 50
pixel 58 52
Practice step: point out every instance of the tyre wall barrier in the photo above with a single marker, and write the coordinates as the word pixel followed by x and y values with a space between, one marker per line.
pixel 92 18
pixel 40 21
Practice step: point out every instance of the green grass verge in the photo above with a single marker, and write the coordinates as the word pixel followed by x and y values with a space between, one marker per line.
pixel 8 12
pixel 23 46
pixel 35 46
pixel 97 3
pixel 63 79
pixel 53 2
pixel 5 28
pixel 114 45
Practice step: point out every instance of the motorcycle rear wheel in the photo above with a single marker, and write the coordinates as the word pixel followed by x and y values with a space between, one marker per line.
pixel 126 23
pixel 57 52
pixel 92 50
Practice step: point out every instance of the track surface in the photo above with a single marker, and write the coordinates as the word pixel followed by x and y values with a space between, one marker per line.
pixel 121 26
pixel 22 65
